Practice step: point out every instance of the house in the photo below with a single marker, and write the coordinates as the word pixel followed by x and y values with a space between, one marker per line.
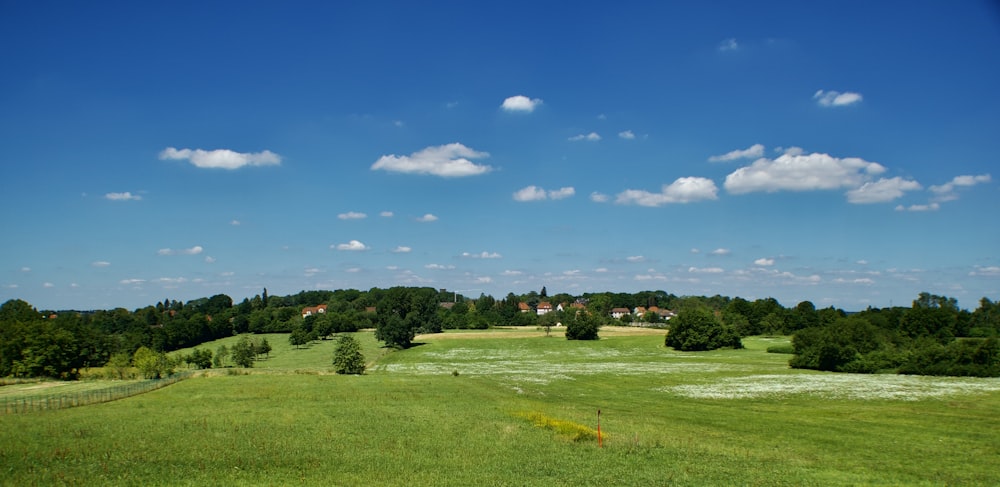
pixel 665 314
pixel 639 311
pixel 313 310
pixel 544 307
pixel 617 313
pixel 523 307
pixel 370 309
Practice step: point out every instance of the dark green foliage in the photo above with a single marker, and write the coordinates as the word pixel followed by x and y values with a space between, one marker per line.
pixel 845 346
pixel 916 340
pixel 786 349
pixel 967 357
pixel 698 329
pixel 583 326
pixel 347 358
pixel 200 358
pixel 395 332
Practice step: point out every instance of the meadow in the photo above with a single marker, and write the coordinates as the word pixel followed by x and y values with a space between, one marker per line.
pixel 514 407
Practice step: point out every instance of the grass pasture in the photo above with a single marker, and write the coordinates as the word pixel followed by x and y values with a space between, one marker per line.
pixel 521 411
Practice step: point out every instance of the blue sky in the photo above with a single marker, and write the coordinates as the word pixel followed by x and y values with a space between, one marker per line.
pixel 844 154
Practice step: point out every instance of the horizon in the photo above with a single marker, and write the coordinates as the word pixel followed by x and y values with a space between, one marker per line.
pixel 840 156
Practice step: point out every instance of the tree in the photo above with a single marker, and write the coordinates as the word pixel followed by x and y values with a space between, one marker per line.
pixel 584 326
pixel 200 358
pixel 299 337
pixel 263 348
pixel 697 329
pixel 119 364
pixel 221 354
pixel 543 293
pixel 347 357
pixel 394 332
pixel 153 365
pixel 243 352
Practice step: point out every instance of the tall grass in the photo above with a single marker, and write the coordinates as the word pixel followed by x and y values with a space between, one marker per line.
pixel 410 421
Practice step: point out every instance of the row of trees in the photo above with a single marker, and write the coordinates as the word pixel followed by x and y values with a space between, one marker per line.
pixel 931 337
pixel 61 343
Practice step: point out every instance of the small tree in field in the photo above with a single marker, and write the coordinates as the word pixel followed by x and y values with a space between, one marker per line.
pixel 243 352
pixel 347 358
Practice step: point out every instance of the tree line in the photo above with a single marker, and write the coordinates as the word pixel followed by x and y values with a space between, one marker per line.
pixel 62 343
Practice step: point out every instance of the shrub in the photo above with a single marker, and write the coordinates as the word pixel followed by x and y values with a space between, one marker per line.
pixel 789 349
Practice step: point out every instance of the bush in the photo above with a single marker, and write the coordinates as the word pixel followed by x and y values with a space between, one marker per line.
pixel 789 349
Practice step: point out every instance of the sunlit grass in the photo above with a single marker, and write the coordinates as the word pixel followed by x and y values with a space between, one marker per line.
pixel 410 421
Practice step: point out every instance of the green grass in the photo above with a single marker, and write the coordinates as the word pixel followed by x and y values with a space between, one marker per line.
pixel 729 417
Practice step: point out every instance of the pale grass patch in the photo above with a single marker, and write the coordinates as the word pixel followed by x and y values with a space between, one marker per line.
pixel 837 386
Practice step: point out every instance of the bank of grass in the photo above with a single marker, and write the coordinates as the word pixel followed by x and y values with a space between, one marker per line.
pixel 410 421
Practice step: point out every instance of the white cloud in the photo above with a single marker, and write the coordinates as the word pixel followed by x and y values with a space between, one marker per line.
pixel 511 273
pixel 520 103
pixel 353 245
pixel 484 280
pixel 353 270
pixel 706 270
pixel 599 197
pixel 535 193
pixel 386 214
pixel 562 193
pixel 402 249
pixel 753 152
pixel 171 280
pixel 635 258
pixel 100 263
pixel 591 137
pixel 235 223
pixel 990 271
pixel 946 191
pixel 438 267
pixel 221 158
pixel 48 285
pixel 836 99
pixel 209 259
pixel 449 161
pixel 131 282
pixel 801 173
pixel 126 196
pixel 482 255
pixel 764 262
pixel 721 251
pixel 626 134
pixel 927 207
pixel 601 270
pixel 427 218
pixel 683 190
pixel 530 193
pixel 352 215
pixel 882 191
pixel 197 249
pixel 728 45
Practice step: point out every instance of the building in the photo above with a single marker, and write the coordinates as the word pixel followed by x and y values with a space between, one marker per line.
pixel 313 310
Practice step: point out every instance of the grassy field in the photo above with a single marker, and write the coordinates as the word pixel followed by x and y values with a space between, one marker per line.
pixel 513 407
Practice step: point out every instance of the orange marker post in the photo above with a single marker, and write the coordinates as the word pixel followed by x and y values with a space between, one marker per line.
pixel 599 442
